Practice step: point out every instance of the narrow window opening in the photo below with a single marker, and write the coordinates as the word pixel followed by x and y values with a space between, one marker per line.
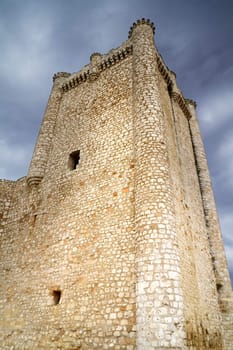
pixel 219 287
pixel 73 161
pixel 56 296
pixel 34 219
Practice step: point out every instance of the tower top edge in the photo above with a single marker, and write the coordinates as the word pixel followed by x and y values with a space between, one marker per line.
pixel 140 22
pixel 61 75
pixel 191 102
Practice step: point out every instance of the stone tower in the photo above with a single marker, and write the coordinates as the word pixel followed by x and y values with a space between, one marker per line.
pixel 112 240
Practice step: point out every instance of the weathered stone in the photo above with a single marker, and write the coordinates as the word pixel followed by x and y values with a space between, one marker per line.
pixel 112 240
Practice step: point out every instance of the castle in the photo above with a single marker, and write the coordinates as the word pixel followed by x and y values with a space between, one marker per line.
pixel 112 239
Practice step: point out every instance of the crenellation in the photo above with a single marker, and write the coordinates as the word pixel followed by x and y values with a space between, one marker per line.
pixel 112 240
pixel 164 71
pixel 139 22
pixel 61 75
pixel 191 102
pixel 100 65
pixel 180 100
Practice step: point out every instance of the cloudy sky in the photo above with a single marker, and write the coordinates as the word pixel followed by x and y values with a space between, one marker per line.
pixel 195 38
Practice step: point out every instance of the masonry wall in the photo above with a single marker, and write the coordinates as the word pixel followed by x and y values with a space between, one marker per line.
pixel 198 280
pixel 115 253
pixel 79 236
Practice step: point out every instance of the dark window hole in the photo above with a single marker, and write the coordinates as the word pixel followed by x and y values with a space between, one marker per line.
pixel 73 161
pixel 34 219
pixel 219 286
pixel 56 296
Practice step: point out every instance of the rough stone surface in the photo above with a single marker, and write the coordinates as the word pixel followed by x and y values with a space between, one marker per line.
pixel 112 240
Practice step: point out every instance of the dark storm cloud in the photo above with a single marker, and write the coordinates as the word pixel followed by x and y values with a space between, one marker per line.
pixel 39 38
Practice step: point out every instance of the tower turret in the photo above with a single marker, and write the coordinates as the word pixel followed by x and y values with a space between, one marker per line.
pixel 42 147
pixel 159 305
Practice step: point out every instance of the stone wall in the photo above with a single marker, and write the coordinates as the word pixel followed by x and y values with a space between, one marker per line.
pixel 105 244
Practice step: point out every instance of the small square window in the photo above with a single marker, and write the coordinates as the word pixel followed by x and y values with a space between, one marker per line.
pixel 73 161
pixel 56 296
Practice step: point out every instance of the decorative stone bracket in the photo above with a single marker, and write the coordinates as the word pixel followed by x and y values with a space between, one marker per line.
pixel 181 102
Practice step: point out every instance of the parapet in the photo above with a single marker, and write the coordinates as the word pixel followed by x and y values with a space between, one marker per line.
pixel 140 22
pixel 191 102
pixel 61 75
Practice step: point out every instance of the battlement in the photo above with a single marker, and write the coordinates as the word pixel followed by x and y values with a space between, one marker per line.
pixel 105 62
pixel 140 22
